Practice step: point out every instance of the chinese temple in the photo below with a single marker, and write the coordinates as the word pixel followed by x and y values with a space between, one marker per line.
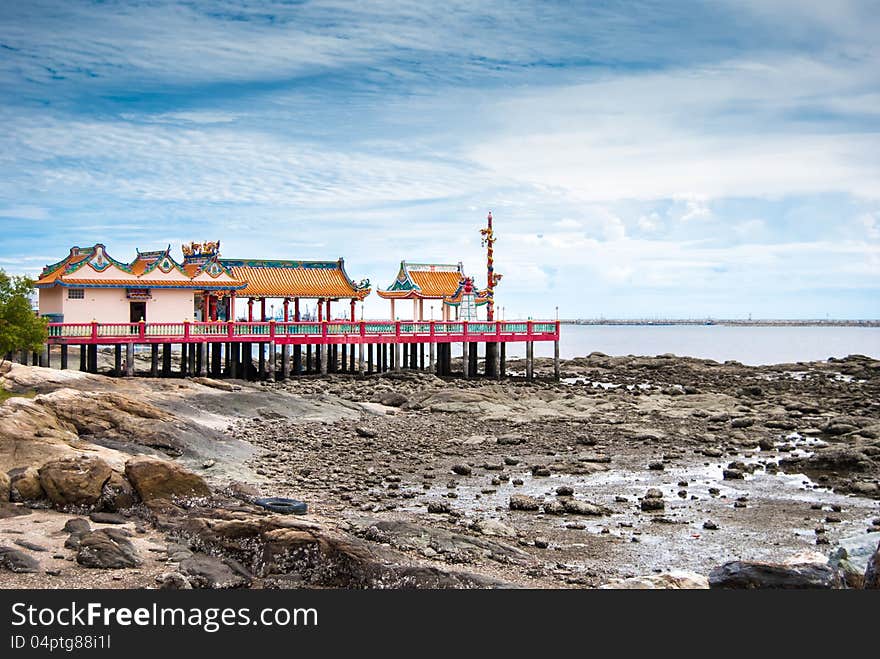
pixel 431 281
pixel 187 308
pixel 89 284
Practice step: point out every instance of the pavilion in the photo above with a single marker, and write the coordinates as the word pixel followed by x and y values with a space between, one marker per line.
pixel 430 281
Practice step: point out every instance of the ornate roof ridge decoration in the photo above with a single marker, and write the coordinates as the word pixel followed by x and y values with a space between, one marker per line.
pixel 64 272
pixel 433 267
pixel 165 263
pixel 99 260
pixel 196 250
pixel 213 267
pixel 75 251
pixel 481 297
pixel 278 263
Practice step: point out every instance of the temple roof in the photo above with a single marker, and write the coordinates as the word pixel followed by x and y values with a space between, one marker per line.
pixel 292 279
pixel 433 281
pixel 92 267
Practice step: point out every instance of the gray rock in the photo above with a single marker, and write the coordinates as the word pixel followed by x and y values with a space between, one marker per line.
pixel 462 470
pixel 754 575
pixel 363 431
pixel 438 507
pixel 107 518
pixel 524 502
pixel 107 549
pixel 16 560
pixel 173 581
pixel 872 571
pixel 203 571
pixel 575 507
pixel 30 545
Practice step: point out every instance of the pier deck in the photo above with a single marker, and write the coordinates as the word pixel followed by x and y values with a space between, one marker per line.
pixel 226 348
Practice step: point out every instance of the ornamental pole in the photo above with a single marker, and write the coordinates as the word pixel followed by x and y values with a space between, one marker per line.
pixel 489 242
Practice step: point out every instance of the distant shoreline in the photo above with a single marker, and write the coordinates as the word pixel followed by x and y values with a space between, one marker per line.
pixel 727 322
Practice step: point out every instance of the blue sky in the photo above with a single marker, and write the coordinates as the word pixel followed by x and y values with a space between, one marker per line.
pixel 641 158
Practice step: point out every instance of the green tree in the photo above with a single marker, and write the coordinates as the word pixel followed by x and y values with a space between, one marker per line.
pixel 20 327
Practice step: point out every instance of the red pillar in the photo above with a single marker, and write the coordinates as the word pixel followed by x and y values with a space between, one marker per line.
pixel 286 309
pixel 328 310
pixel 296 310
pixel 320 310
pixel 250 309
pixel 262 310
pixel 231 315
pixel 352 309
pixel 206 307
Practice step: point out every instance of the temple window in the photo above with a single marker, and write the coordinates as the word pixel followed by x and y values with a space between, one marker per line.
pixel 76 293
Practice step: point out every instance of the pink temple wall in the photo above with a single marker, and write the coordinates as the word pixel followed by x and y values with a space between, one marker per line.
pixel 110 305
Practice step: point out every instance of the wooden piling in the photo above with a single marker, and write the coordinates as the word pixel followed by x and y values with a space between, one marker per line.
pixel 530 360
pixel 285 362
pixel 63 356
pixel 556 360
pixel 270 362
pixel 129 360
pixel 166 360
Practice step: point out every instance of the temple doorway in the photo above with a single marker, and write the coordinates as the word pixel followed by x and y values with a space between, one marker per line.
pixel 138 312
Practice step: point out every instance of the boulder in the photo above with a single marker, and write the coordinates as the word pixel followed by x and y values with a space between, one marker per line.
pixel 5 484
pixel 74 481
pixel 172 581
pixel 160 479
pixel 494 527
pixel 393 399
pixel 107 549
pixel 872 572
pixel 524 502
pixel 754 575
pixel 117 493
pixel 203 571
pixel 16 560
pixel 676 580
pixel 25 484
pixel 575 507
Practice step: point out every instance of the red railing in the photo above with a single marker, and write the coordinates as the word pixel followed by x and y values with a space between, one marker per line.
pixel 307 333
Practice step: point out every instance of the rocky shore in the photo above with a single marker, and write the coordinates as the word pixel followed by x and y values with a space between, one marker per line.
pixel 632 472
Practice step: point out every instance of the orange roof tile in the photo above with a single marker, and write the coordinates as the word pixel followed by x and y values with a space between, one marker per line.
pixel 306 279
pixel 436 284
pixel 424 280
pixel 150 283
pixel 59 268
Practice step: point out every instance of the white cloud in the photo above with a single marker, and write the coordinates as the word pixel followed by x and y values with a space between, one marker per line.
pixel 701 133
pixel 25 212
pixel 650 222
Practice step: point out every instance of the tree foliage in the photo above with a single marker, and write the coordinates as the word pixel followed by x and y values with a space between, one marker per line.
pixel 20 327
